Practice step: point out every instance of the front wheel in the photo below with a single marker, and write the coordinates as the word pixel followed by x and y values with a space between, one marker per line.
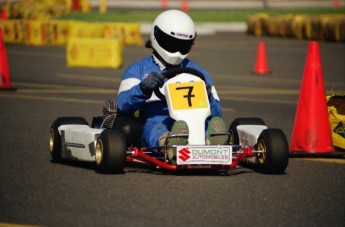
pixel 274 155
pixel 110 152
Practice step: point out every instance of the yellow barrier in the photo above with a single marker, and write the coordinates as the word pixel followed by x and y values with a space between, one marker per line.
pixel 94 52
pixel 35 32
pixel 297 27
pixel 129 33
pixel 256 24
pixel 86 30
pixel 102 6
pixel 58 32
pixel 12 31
pixel 111 32
pixel 340 28
pixel 316 27
pixel 85 6
pixel 42 10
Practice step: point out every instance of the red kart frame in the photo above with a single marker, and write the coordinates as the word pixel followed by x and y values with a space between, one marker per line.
pixel 134 153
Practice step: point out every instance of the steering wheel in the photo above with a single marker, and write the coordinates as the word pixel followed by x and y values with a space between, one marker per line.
pixel 170 73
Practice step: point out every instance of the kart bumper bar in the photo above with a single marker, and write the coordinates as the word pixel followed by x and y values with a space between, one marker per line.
pixel 140 156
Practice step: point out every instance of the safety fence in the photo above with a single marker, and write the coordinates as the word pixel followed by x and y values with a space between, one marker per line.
pixel 88 44
pixel 94 52
pixel 311 27
pixel 57 32
pixel 31 22
pixel 38 9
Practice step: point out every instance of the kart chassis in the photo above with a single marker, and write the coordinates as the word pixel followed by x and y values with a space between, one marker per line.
pixel 249 139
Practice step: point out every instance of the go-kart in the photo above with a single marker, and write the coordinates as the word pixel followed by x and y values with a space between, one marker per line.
pixel 249 139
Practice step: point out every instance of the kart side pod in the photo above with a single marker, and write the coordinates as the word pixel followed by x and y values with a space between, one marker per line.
pixel 249 134
pixel 78 142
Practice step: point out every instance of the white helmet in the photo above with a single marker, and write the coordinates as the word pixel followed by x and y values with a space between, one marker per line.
pixel 172 36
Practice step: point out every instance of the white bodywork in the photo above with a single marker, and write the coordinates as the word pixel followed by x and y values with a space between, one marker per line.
pixel 195 118
pixel 79 142
pixel 249 134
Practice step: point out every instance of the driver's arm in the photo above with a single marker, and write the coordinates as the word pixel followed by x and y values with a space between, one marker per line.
pixel 216 109
pixel 130 96
pixel 133 91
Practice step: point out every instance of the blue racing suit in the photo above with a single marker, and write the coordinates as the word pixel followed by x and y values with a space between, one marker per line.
pixel 153 112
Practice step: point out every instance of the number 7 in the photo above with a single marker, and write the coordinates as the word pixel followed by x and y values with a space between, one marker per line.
pixel 189 96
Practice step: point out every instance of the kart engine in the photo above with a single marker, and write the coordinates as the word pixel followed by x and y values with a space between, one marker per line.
pixel 109 113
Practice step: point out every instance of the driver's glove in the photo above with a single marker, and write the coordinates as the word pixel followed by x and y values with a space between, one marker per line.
pixel 153 81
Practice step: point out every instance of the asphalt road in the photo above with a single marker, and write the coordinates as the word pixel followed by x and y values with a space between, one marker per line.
pixel 34 191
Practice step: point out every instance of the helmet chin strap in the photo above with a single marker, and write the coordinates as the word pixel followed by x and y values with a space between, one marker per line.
pixel 162 61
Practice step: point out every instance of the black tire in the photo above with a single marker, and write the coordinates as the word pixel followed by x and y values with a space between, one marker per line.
pixel 55 138
pixel 233 138
pixel 275 151
pixel 110 152
pixel 131 129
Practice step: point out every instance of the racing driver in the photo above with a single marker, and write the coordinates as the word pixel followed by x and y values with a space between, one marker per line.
pixel 172 37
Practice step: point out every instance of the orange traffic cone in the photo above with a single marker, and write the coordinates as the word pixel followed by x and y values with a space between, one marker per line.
pixel 5 81
pixel 312 130
pixel 164 4
pixel 185 6
pixel 261 66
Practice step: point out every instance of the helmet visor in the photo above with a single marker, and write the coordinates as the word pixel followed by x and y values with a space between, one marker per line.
pixel 172 44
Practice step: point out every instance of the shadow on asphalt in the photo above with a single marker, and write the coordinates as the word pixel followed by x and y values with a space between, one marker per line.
pixel 153 170
pixel 244 168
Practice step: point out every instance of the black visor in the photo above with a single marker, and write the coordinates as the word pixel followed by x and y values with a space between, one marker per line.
pixel 172 44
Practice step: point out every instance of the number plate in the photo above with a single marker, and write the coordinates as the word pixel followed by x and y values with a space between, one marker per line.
pixel 204 155
pixel 188 95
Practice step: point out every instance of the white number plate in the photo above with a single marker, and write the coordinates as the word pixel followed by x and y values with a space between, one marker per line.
pixel 204 155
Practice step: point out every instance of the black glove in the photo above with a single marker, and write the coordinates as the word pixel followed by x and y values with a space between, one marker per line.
pixel 153 81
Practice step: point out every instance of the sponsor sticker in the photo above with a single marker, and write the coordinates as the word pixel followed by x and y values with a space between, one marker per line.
pixel 204 155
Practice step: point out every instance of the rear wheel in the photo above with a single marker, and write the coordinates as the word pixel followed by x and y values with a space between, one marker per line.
pixel 274 157
pixel 55 144
pixel 97 122
pixel 110 152
pixel 233 138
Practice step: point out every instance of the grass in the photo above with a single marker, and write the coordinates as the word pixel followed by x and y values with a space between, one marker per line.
pixel 197 15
